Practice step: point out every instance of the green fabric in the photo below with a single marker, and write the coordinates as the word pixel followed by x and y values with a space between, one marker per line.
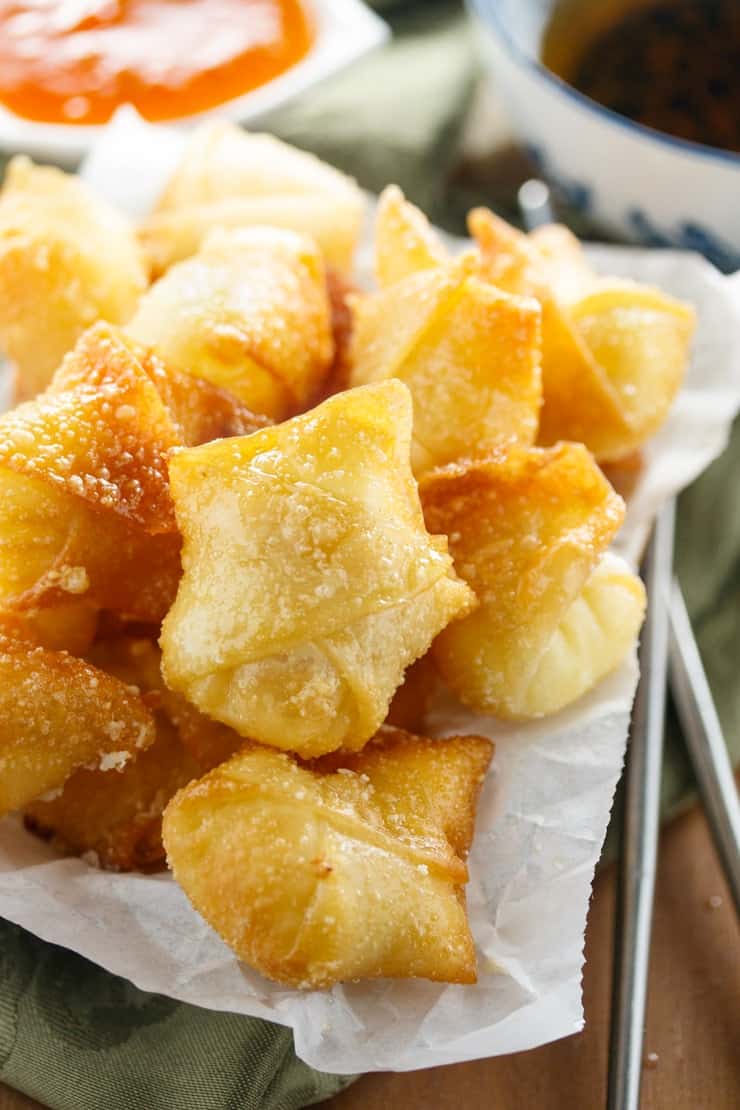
pixel 77 1038
pixel 73 1036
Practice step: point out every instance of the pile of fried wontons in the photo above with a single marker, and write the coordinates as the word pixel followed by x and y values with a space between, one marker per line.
pixel 250 515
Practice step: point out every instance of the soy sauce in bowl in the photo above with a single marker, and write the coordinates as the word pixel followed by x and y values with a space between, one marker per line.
pixel 673 65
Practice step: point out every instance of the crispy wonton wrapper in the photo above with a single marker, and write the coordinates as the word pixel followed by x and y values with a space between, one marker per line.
pixel 310 582
pixel 67 259
pixel 352 869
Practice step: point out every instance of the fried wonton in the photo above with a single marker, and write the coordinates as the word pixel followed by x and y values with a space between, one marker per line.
pixel 232 179
pixel 67 259
pixel 614 353
pixel 58 713
pixel 310 582
pixel 316 875
pixel 469 353
pixel 528 531
pixel 250 312
pixel 117 814
pixel 85 511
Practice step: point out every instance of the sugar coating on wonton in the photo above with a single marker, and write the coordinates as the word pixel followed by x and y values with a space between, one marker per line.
pixel 200 410
pixel 310 582
pixel 116 814
pixel 614 353
pixel 230 178
pixel 351 869
pixel 469 354
pixel 405 242
pixel 85 509
pixel 67 259
pixel 250 312
pixel 58 713
pixel 528 531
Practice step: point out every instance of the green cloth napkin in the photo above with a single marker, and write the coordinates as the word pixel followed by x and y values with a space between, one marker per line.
pixel 73 1036
pixel 77 1038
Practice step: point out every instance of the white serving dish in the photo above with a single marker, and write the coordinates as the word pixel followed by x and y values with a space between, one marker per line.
pixel 631 181
pixel 345 30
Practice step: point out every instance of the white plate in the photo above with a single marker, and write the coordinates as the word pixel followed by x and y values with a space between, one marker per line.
pixel 345 30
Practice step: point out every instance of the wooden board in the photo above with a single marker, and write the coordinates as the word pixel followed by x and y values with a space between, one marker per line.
pixel 693 1020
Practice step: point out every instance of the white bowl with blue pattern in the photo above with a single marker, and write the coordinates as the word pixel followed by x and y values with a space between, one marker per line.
pixel 633 182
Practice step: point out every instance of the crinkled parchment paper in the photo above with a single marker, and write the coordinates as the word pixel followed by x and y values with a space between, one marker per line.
pixel 542 816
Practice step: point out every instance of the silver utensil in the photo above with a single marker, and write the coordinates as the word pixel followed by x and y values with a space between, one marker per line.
pixel 641 820
pixel 704 741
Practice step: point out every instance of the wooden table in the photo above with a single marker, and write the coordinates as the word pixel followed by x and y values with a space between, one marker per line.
pixel 693 1020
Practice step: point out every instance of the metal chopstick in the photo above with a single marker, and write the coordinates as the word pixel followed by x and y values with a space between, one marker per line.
pixel 704 741
pixel 639 847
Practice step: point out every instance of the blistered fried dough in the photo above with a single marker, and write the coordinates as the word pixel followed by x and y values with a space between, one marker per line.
pixel 250 312
pixel 469 354
pixel 67 259
pixel 528 531
pixel 200 410
pixel 404 240
pixel 85 511
pixel 310 582
pixel 315 876
pixel 613 352
pixel 117 814
pixel 58 713
pixel 230 178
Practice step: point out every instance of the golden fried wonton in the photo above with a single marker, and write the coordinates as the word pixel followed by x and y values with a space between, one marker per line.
pixel 117 814
pixel 233 179
pixel 310 582
pixel 469 354
pixel 58 713
pixel 67 259
pixel 85 510
pixel 250 312
pixel 315 875
pixel 528 531
pixel 614 353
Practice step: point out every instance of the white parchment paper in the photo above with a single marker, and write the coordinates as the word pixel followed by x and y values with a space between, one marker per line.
pixel 542 816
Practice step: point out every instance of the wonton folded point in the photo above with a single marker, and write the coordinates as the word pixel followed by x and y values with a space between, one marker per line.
pixel 310 582
pixel 67 259
pixel 614 353
pixel 529 532
pixel 353 868
pixel 404 240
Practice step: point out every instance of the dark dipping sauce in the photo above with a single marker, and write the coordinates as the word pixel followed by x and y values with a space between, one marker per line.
pixel 673 66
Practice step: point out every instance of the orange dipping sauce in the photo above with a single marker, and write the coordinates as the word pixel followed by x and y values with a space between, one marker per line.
pixel 76 61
